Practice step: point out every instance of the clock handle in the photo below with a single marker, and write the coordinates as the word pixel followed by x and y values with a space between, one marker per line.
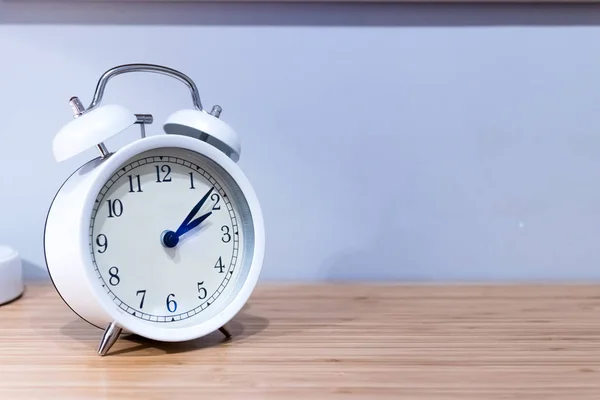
pixel 198 123
pixel 159 69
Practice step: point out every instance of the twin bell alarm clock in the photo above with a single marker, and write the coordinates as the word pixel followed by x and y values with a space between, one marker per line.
pixel 162 238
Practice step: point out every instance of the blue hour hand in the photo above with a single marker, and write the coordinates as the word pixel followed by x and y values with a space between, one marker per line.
pixel 192 225
pixel 170 238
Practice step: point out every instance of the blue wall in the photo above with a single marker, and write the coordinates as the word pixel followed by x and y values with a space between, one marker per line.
pixel 414 142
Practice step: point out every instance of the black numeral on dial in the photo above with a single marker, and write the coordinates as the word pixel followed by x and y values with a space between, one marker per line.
pixel 226 235
pixel 135 184
pixel 220 265
pixel 115 208
pixel 216 198
pixel 143 292
pixel 166 170
pixel 114 276
pixel 202 293
pixel 102 242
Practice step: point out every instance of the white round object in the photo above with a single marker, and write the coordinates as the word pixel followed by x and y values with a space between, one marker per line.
pixel 201 125
pixel 11 275
pixel 91 128
pixel 106 250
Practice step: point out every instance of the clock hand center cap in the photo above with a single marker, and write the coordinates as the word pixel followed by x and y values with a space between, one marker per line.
pixel 169 239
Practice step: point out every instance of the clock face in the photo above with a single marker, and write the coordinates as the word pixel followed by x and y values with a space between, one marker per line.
pixel 171 237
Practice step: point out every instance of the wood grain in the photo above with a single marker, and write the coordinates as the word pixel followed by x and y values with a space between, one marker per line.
pixel 325 342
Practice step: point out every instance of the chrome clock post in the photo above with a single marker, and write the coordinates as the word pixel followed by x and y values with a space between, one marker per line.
pixel 78 110
pixel 111 334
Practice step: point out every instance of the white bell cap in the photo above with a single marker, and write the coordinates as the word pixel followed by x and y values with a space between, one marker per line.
pixel 204 126
pixel 91 128
pixel 11 275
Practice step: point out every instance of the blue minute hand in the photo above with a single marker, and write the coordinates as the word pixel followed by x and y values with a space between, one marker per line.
pixel 196 208
pixel 170 238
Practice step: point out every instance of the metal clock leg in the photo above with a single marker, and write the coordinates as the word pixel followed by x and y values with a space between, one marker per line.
pixel 111 334
pixel 225 332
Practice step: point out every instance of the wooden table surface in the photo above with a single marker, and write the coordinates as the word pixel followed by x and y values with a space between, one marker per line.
pixel 325 341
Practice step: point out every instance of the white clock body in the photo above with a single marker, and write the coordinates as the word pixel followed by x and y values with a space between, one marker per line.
pixel 103 248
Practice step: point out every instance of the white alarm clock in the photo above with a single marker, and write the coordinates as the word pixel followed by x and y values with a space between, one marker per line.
pixel 164 237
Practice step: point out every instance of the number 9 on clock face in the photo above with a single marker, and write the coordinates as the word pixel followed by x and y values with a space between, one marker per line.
pixel 171 237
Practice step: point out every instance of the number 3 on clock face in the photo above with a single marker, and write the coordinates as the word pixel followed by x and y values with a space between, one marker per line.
pixel 170 235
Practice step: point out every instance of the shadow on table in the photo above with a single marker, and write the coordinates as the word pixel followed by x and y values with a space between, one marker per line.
pixel 243 326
